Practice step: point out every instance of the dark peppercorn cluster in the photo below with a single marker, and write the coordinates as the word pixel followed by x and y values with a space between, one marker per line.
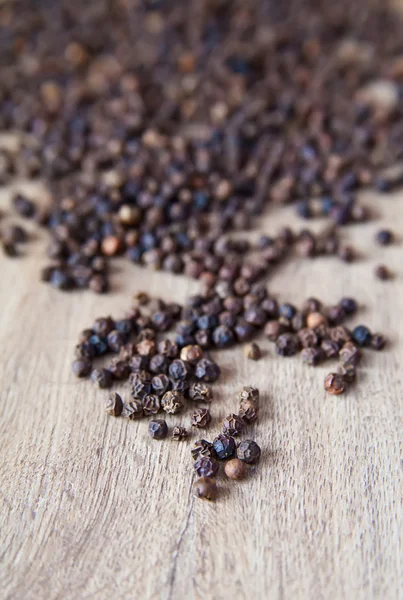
pixel 146 157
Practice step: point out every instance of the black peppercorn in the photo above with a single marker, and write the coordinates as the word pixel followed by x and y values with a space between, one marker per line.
pixel 201 418
pixel 172 402
pixel 158 364
pixel 141 384
pixel 233 425
pixel 202 448
pixel 200 392
pixel 81 367
pixel 248 451
pixel 179 369
pixel 312 356
pixel 158 429
pixel 287 344
pixel 349 305
pixel 179 433
pixel 378 341
pixel 101 378
pixel 119 369
pixel 206 467
pixel 224 446
pixel 116 340
pixel 114 405
pixel 207 370
pixel 160 384
pixel 362 335
pixel 132 410
pixel 334 384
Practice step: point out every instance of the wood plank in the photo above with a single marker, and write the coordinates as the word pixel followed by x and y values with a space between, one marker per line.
pixel 90 507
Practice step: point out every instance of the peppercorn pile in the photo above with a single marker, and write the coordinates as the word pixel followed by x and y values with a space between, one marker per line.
pixel 160 129
pixel 166 375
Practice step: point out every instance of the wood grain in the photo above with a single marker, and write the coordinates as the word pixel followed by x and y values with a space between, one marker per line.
pixel 90 507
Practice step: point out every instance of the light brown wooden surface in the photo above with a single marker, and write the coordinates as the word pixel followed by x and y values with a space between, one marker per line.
pixel 90 507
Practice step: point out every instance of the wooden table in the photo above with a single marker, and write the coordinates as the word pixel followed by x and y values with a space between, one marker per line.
pixel 93 508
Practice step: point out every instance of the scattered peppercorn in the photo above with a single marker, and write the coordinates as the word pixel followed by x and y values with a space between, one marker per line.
pixel 206 467
pixel 362 335
pixel 205 488
pixel 201 418
pixel 334 384
pixel 132 410
pixel 235 469
pixel 158 429
pixel 179 433
pixel 102 378
pixel 81 367
pixel 114 405
pixel 200 392
pixel 252 351
pixel 172 402
pixel 224 446
pixel 384 237
pixel 383 273
pixel 248 451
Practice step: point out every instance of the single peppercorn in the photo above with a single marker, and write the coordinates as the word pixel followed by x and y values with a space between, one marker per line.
pixel 146 347
pixel 158 429
pixel 99 344
pixel 348 372
pixel 102 378
pixel 349 305
pixel 315 319
pixel 349 354
pixel 205 488
pixel 334 384
pixel 287 344
pixel 179 433
pixel 273 330
pixel 383 273
pixel 114 405
pixel 81 367
pixel 248 411
pixel 200 392
pixel 207 370
pixel 248 451
pixel 160 384
pixel 179 369
pixel 201 418
pixel 119 369
pixel 235 469
pixel 362 335
pixel 202 448
pixel 151 404
pixel 378 341
pixel 158 364
pixel 132 410
pixel 330 348
pixel 116 340
pixel 206 467
pixel 249 394
pixel 224 446
pixel 173 402
pixel 103 325
pixel 384 237
pixel 191 354
pixel 84 350
pixel 138 363
pixel 312 356
pixel 308 338
pixel 252 351
pixel 233 425
pixel 140 384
